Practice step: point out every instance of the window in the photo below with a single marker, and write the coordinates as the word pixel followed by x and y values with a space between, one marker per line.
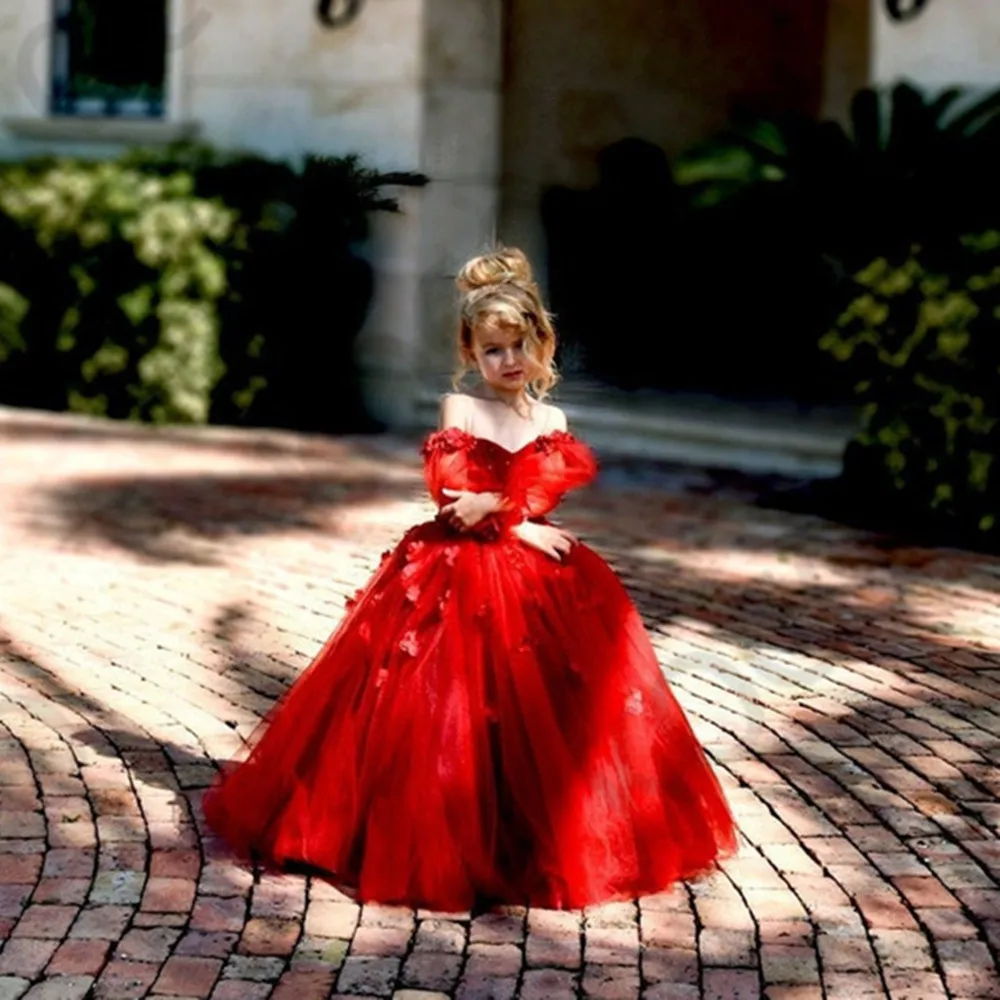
pixel 109 58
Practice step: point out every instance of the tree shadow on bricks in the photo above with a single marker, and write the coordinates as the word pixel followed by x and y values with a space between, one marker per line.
pixel 764 585
pixel 262 676
pixel 862 691
pixel 20 665
pixel 181 518
pixel 22 426
pixel 158 763
pixel 104 730
pixel 163 765
pixel 703 534
pixel 928 616
pixel 907 616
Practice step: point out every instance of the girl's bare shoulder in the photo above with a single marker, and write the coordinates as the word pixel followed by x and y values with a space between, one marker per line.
pixel 554 419
pixel 455 410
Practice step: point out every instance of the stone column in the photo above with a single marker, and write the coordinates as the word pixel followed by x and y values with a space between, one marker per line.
pixel 461 156
pixel 369 97
pixel 406 349
pixel 25 63
pixel 390 343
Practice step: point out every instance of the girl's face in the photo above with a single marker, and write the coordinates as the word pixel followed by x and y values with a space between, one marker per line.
pixel 498 350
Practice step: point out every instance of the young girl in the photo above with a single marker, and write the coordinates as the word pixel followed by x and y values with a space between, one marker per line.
pixel 489 722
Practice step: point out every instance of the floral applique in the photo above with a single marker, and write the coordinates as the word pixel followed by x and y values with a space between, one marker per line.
pixel 408 644
pixel 414 550
pixel 365 632
pixel 380 677
pixel 412 594
pixel 547 443
pixel 518 558
pixel 451 554
pixel 634 704
pixel 450 439
pixel 442 603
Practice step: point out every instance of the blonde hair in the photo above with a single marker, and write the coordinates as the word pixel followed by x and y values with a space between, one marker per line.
pixel 501 284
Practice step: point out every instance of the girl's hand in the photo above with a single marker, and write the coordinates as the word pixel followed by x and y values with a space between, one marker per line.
pixel 468 509
pixel 547 538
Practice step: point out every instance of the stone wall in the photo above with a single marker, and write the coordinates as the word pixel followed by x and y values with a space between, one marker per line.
pixel 952 41
pixel 462 43
pixel 271 77
pixel 24 61
pixel 494 100
pixel 266 77
pixel 409 84
pixel 407 347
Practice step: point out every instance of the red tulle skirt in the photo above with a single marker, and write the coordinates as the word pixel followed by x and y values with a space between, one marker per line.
pixel 486 725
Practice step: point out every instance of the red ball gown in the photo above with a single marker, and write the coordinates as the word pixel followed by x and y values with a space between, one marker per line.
pixel 487 724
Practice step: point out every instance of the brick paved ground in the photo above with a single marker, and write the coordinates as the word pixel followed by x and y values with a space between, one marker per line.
pixel 158 592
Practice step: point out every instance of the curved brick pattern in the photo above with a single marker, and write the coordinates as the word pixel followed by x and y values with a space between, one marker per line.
pixel 158 591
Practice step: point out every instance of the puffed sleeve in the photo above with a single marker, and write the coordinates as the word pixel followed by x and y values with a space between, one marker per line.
pixel 446 464
pixel 556 464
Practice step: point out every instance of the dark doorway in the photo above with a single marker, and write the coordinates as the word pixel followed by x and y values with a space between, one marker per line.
pixel 645 296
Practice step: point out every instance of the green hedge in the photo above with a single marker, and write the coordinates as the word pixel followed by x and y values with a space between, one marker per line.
pixel 187 286
pixel 922 341
pixel 784 210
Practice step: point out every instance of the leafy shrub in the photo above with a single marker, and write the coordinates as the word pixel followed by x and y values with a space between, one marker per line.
pixel 755 233
pixel 922 342
pixel 908 167
pixel 115 300
pixel 187 285
pixel 298 290
pixel 776 214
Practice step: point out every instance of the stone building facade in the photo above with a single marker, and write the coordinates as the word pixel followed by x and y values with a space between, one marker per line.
pixel 493 99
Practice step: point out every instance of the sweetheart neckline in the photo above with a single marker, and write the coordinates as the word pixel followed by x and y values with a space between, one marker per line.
pixel 497 444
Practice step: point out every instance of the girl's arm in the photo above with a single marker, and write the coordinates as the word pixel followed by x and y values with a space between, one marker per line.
pixel 466 509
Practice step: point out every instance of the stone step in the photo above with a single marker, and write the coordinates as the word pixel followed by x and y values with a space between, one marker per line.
pixel 685 431
pixel 699 431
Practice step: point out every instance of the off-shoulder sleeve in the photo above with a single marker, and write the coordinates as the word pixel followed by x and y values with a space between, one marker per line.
pixel 446 464
pixel 534 483
pixel 556 464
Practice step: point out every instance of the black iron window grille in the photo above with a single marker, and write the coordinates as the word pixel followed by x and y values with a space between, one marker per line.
pixel 109 58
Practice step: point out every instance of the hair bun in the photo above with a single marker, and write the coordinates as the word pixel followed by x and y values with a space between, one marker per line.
pixel 497 267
